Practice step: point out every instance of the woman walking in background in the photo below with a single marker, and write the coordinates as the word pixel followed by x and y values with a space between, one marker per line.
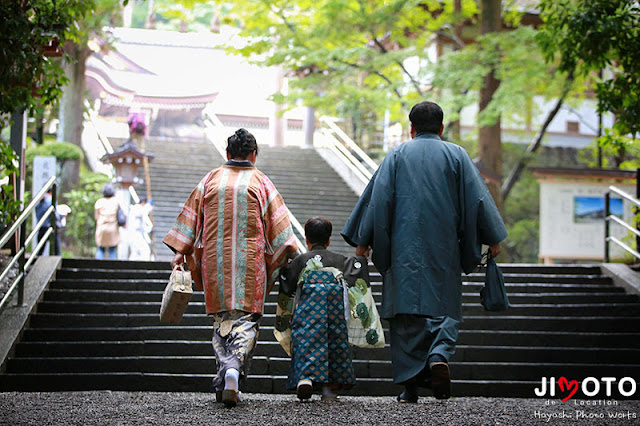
pixel 107 233
pixel 235 233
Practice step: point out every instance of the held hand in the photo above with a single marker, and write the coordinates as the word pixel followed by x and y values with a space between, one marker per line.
pixel 178 259
pixel 363 251
pixel 495 249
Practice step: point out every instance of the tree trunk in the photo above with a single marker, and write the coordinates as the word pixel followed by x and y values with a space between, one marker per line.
pixel 453 130
pixel 72 108
pixel 489 138
pixel 150 21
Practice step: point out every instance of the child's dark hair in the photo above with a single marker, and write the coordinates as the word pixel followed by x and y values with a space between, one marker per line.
pixel 318 230
pixel 241 144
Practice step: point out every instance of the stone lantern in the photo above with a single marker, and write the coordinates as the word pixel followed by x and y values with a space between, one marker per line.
pixel 126 162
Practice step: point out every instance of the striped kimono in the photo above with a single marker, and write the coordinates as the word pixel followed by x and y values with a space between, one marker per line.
pixel 235 230
pixel 235 223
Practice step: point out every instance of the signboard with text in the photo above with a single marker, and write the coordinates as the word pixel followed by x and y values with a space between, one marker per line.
pixel 43 169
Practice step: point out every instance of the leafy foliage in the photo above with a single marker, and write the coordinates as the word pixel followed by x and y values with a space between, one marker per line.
pixel 351 57
pixel 80 230
pixel 616 150
pixel 587 36
pixel 61 150
pixel 27 77
pixel 518 63
pixel 9 207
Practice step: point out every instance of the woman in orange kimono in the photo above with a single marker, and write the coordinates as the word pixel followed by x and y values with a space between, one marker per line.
pixel 235 233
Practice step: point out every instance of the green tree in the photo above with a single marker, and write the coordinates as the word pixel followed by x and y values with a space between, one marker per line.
pixel 351 58
pixel 601 39
pixel 490 134
pixel 81 226
pixel 104 13
pixel 28 78
pixel 9 206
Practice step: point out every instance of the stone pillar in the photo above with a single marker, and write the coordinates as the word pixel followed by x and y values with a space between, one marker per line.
pixel 277 122
pixel 309 126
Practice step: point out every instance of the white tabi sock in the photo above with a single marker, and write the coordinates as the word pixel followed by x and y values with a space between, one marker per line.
pixel 231 378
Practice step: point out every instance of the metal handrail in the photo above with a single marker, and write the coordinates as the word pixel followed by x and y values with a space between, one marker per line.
pixel 609 218
pixel 350 143
pixel 213 123
pixel 91 115
pixel 102 144
pixel 348 159
pixel 19 227
pixel 299 228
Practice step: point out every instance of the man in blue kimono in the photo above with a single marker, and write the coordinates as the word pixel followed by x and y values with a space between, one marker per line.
pixel 426 213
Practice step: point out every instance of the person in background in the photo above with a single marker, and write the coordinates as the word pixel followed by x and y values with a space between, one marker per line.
pixel 139 226
pixel 41 209
pixel 106 215
pixel 235 233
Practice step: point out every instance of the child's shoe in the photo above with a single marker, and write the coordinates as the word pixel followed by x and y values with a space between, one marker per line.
pixel 304 389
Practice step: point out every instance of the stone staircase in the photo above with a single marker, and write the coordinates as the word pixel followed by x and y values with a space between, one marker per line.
pixel 97 328
pixel 176 169
pixel 310 187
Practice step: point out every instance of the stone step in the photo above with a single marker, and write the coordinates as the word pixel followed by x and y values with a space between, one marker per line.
pixel 514 283
pixel 176 175
pixel 177 199
pixel 99 272
pixel 480 322
pixel 108 265
pixel 153 293
pixel 202 333
pixel 114 289
pixel 533 310
pixel 80 356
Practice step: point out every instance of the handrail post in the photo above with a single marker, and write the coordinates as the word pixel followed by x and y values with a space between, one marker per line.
pixel 21 262
pixel 52 220
pixel 637 209
pixel 606 226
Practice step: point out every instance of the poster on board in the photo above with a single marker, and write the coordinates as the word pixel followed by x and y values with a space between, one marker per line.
pixel 572 219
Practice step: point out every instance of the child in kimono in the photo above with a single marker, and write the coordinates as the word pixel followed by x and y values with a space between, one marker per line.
pixel 321 356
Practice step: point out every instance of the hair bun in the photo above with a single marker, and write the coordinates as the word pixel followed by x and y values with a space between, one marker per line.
pixel 241 134
pixel 241 144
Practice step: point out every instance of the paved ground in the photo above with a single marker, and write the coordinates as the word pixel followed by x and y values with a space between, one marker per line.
pixel 146 408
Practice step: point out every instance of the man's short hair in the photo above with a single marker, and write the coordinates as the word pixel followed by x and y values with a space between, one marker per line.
pixel 318 230
pixel 426 117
